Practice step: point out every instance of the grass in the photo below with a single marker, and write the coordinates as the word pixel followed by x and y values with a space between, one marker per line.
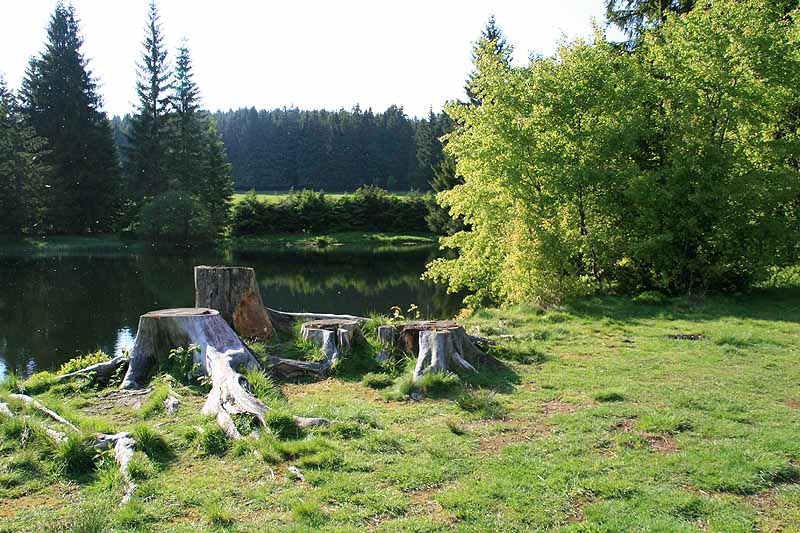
pixel 597 421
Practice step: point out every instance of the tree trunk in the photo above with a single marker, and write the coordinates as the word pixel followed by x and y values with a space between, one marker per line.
pixel 220 355
pixel 440 346
pixel 234 292
pixel 334 336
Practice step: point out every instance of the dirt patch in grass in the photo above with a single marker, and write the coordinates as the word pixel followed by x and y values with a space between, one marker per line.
pixel 793 404
pixel 659 443
pixel 558 406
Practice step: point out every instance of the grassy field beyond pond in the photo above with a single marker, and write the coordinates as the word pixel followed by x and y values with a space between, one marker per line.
pixel 610 415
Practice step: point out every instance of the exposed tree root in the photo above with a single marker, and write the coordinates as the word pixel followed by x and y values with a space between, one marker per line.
pixel 220 356
pixel 122 443
pixel 101 373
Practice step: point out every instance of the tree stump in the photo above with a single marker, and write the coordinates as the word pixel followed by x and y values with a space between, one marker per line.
pixel 334 336
pixel 439 346
pixel 234 292
pixel 220 355
pixel 386 335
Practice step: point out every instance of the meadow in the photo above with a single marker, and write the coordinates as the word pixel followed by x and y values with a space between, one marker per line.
pixel 609 414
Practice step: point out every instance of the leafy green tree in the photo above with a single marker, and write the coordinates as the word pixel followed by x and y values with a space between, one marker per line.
pixel 60 100
pixel 22 169
pixel 597 168
pixel 147 158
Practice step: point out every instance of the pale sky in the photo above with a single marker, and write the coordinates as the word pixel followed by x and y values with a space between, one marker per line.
pixel 309 54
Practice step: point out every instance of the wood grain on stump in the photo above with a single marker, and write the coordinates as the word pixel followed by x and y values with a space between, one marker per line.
pixel 234 292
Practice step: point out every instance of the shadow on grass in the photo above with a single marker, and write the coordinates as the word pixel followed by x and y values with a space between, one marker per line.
pixel 772 304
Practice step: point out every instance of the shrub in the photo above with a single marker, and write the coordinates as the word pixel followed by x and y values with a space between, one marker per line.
pixel 175 217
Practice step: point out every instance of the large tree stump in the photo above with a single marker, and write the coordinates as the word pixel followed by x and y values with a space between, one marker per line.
pixel 439 346
pixel 234 292
pixel 220 355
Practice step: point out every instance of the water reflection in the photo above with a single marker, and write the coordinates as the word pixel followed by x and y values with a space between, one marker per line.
pixel 54 306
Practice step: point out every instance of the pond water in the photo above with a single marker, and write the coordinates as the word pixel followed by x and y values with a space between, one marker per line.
pixel 54 306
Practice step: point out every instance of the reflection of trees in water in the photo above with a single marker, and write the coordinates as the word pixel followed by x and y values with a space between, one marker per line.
pixel 53 307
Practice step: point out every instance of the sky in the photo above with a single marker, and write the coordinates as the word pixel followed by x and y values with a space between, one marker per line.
pixel 303 53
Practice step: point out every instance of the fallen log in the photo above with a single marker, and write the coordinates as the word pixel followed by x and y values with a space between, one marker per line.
pixel 220 355
pixel 234 292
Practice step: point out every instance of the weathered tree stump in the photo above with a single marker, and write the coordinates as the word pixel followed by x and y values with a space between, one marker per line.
pixel 285 321
pixel 220 355
pixel 386 337
pixel 234 292
pixel 334 336
pixel 439 346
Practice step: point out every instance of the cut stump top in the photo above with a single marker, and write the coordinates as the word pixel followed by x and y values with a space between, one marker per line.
pixel 329 323
pixel 429 325
pixel 181 312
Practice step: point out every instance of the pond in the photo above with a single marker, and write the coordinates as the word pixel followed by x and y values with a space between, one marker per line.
pixel 54 306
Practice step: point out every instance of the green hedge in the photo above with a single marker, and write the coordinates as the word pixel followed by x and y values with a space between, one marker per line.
pixel 369 208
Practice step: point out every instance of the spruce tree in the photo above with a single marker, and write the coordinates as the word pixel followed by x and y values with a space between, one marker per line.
pixel 217 183
pixel 22 169
pixel 189 128
pixel 147 160
pixel 491 38
pixel 60 100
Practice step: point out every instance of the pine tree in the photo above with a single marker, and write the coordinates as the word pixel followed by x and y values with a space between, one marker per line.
pixel 150 131
pixel 492 38
pixel 60 100
pixel 189 128
pixel 22 169
pixel 217 189
pixel 635 16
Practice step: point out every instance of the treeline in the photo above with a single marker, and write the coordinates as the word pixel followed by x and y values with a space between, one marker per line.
pixel 335 151
pixel 668 163
pixel 60 167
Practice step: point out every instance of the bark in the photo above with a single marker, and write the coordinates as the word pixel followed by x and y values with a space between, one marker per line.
pixel 334 336
pixel 440 346
pixel 234 292
pixel 386 336
pixel 220 355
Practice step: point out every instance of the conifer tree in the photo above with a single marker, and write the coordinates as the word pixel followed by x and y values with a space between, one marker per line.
pixel 149 140
pixel 492 39
pixel 217 183
pixel 60 100
pixel 189 125
pixel 22 169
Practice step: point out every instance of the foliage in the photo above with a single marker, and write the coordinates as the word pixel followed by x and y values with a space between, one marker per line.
pixel 368 208
pixel 175 217
pixel 22 168
pixel 667 168
pixel 293 149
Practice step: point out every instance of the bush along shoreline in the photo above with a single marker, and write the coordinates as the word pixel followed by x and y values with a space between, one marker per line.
pixel 369 208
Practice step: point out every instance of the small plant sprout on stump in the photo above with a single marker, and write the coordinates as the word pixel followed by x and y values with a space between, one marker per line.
pixel 220 356
pixel 439 346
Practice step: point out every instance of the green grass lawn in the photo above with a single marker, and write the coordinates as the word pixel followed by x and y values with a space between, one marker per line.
pixel 605 418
